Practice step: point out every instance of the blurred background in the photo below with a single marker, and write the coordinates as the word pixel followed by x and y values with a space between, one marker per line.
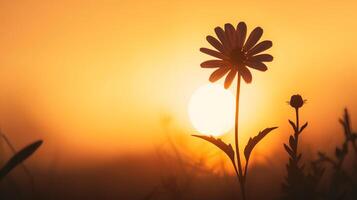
pixel 106 85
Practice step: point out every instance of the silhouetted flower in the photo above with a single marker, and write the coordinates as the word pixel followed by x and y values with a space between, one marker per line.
pixel 235 53
pixel 296 101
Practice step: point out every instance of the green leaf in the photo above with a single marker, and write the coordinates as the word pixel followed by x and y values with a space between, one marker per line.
pixel 254 141
pixel 19 157
pixel 226 148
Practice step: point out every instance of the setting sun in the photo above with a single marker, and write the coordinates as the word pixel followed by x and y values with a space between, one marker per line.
pixel 211 110
pixel 165 99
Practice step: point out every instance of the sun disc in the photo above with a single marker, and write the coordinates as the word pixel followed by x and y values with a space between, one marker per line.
pixel 211 110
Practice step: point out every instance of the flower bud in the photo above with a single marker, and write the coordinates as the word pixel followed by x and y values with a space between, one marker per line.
pixel 296 101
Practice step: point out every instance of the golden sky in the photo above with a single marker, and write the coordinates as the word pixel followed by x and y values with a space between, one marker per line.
pixel 98 76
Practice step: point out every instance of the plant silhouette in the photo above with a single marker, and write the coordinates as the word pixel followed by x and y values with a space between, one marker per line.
pixel 234 56
pixel 19 158
pixel 343 185
pixel 178 181
pixel 298 185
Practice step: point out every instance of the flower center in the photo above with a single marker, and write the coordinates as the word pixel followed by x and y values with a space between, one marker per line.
pixel 238 56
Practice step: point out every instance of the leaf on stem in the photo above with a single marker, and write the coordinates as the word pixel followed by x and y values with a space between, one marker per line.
pixel 226 148
pixel 292 142
pixel 254 141
pixel 292 125
pixel 303 127
pixel 19 157
pixel 290 152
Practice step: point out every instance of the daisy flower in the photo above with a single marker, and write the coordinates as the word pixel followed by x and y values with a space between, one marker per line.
pixel 234 54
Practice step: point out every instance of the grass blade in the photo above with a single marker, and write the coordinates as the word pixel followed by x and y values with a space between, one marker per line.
pixel 19 157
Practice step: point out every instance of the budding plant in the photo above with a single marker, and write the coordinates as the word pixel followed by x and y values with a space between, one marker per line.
pixel 298 185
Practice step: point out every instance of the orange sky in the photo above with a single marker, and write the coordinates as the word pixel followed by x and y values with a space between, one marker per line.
pixel 97 76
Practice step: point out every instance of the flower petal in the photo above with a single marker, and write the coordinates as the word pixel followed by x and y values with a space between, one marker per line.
pixel 229 78
pixel 261 58
pixel 230 34
pixel 257 65
pixel 222 37
pixel 241 33
pixel 245 73
pixel 214 64
pixel 253 38
pixel 215 43
pixel 213 53
pixel 262 46
pixel 219 73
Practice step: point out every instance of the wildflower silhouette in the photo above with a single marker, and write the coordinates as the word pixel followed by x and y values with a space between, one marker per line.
pixel 298 185
pixel 235 55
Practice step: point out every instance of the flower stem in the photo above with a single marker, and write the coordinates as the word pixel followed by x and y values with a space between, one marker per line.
pixel 296 135
pixel 240 174
pixel 297 120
